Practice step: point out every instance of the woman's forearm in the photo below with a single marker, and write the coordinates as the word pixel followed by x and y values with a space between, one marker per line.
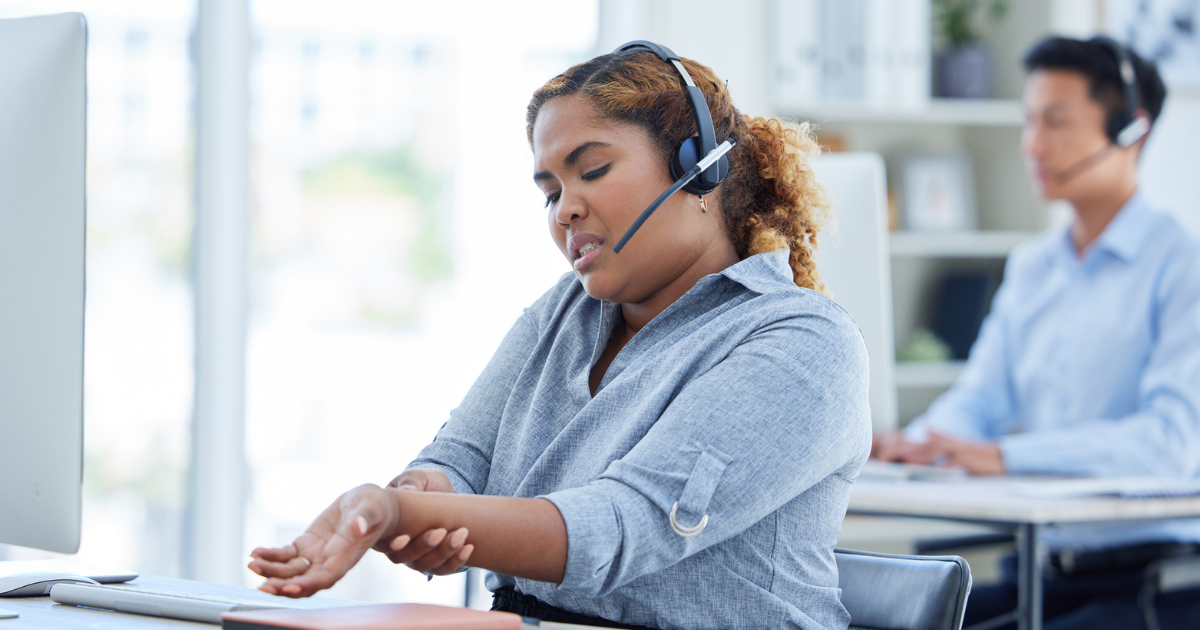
pixel 524 538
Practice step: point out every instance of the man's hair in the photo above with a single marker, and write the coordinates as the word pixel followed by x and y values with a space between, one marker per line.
pixel 1098 64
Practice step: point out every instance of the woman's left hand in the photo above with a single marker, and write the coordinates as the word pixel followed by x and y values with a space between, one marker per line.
pixel 435 552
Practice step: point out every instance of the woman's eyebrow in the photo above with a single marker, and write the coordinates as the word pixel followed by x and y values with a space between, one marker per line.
pixel 572 157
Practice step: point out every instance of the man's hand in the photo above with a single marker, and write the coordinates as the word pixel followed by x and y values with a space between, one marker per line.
pixel 331 546
pixel 978 458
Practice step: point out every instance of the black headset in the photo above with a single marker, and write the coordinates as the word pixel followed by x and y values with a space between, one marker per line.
pixel 693 149
pixel 1124 127
pixel 700 163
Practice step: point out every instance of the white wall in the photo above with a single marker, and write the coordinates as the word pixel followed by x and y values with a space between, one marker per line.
pixel 732 38
pixel 1169 172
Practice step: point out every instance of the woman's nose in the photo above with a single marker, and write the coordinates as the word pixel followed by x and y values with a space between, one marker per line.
pixel 570 208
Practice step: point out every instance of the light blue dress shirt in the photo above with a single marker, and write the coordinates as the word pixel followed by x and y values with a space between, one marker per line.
pixel 744 402
pixel 1090 366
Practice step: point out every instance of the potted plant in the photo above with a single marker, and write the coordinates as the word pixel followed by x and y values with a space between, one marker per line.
pixel 964 68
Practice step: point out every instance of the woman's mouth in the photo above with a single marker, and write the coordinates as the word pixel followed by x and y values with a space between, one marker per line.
pixel 587 253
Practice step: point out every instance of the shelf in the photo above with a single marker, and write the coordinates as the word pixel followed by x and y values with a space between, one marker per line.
pixel 972 244
pixel 939 374
pixel 939 111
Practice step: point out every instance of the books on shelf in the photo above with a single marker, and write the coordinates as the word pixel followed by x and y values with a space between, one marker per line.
pixel 867 52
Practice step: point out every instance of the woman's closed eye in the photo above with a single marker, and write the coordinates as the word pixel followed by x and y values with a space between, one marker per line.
pixel 589 176
pixel 596 174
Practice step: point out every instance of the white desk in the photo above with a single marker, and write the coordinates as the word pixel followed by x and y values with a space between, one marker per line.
pixel 40 612
pixel 992 501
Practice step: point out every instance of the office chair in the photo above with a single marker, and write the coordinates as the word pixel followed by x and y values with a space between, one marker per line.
pixel 893 592
pixel 1167 576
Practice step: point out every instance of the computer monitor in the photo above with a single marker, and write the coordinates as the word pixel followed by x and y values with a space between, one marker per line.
pixel 854 261
pixel 42 140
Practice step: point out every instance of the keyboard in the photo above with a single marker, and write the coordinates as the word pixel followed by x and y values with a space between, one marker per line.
pixel 157 602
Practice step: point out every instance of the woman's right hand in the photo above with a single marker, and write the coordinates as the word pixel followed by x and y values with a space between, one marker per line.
pixel 331 546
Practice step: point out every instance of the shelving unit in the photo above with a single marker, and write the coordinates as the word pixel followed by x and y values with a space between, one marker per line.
pixel 936 374
pixel 973 244
pixel 988 133
pixel 963 112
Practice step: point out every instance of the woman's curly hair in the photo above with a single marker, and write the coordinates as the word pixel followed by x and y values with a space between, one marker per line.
pixel 770 198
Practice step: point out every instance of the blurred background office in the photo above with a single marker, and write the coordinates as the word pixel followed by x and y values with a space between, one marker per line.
pixel 392 232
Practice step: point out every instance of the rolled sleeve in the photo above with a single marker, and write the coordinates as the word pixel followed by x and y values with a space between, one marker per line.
pixel 593 535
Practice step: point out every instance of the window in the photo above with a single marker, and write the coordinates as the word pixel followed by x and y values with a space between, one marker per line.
pixel 397 236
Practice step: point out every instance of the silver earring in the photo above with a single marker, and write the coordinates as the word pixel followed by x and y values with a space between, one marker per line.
pixel 703 205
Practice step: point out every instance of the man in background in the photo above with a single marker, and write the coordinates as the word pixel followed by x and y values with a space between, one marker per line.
pixel 1089 362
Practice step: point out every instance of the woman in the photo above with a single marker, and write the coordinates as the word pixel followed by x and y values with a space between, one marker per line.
pixel 668 436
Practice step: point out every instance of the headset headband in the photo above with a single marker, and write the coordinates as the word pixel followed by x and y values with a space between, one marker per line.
pixel 1126 70
pixel 1127 127
pixel 704 123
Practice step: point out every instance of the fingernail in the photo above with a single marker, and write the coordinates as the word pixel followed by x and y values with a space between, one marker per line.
pixel 458 538
pixel 407 486
pixel 266 588
pixel 362 525
pixel 292 589
pixel 465 553
pixel 435 537
pixel 400 542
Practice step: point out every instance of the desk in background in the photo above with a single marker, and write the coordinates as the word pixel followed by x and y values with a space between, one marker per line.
pixel 995 501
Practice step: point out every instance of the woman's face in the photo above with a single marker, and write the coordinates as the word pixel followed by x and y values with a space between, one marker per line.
pixel 598 176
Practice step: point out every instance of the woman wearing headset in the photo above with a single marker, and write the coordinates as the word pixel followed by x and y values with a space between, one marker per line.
pixel 668 436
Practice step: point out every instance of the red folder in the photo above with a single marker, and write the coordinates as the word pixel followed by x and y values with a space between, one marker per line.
pixel 373 617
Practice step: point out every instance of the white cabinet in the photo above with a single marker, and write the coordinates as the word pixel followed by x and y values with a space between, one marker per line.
pixel 988 133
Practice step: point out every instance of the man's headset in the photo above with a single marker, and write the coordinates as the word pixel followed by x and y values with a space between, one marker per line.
pixel 700 163
pixel 1124 128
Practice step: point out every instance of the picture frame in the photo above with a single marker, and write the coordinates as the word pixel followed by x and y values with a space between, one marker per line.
pixel 937 193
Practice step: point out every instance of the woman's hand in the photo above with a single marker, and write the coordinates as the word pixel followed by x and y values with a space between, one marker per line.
pixel 435 552
pixel 332 544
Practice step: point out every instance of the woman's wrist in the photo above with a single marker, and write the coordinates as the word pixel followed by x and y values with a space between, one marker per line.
pixel 412 515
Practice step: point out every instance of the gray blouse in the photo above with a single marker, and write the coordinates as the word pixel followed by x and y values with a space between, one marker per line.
pixel 703 486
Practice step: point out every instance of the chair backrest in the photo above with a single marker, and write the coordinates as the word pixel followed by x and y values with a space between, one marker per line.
pixel 855 263
pixel 892 592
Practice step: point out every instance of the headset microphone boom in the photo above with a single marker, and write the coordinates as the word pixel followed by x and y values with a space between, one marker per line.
pixel 700 163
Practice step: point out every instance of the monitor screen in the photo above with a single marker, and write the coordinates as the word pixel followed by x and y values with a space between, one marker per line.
pixel 42 140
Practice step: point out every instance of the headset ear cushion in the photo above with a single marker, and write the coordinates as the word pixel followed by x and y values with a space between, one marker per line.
pixel 687 157
pixel 1117 121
